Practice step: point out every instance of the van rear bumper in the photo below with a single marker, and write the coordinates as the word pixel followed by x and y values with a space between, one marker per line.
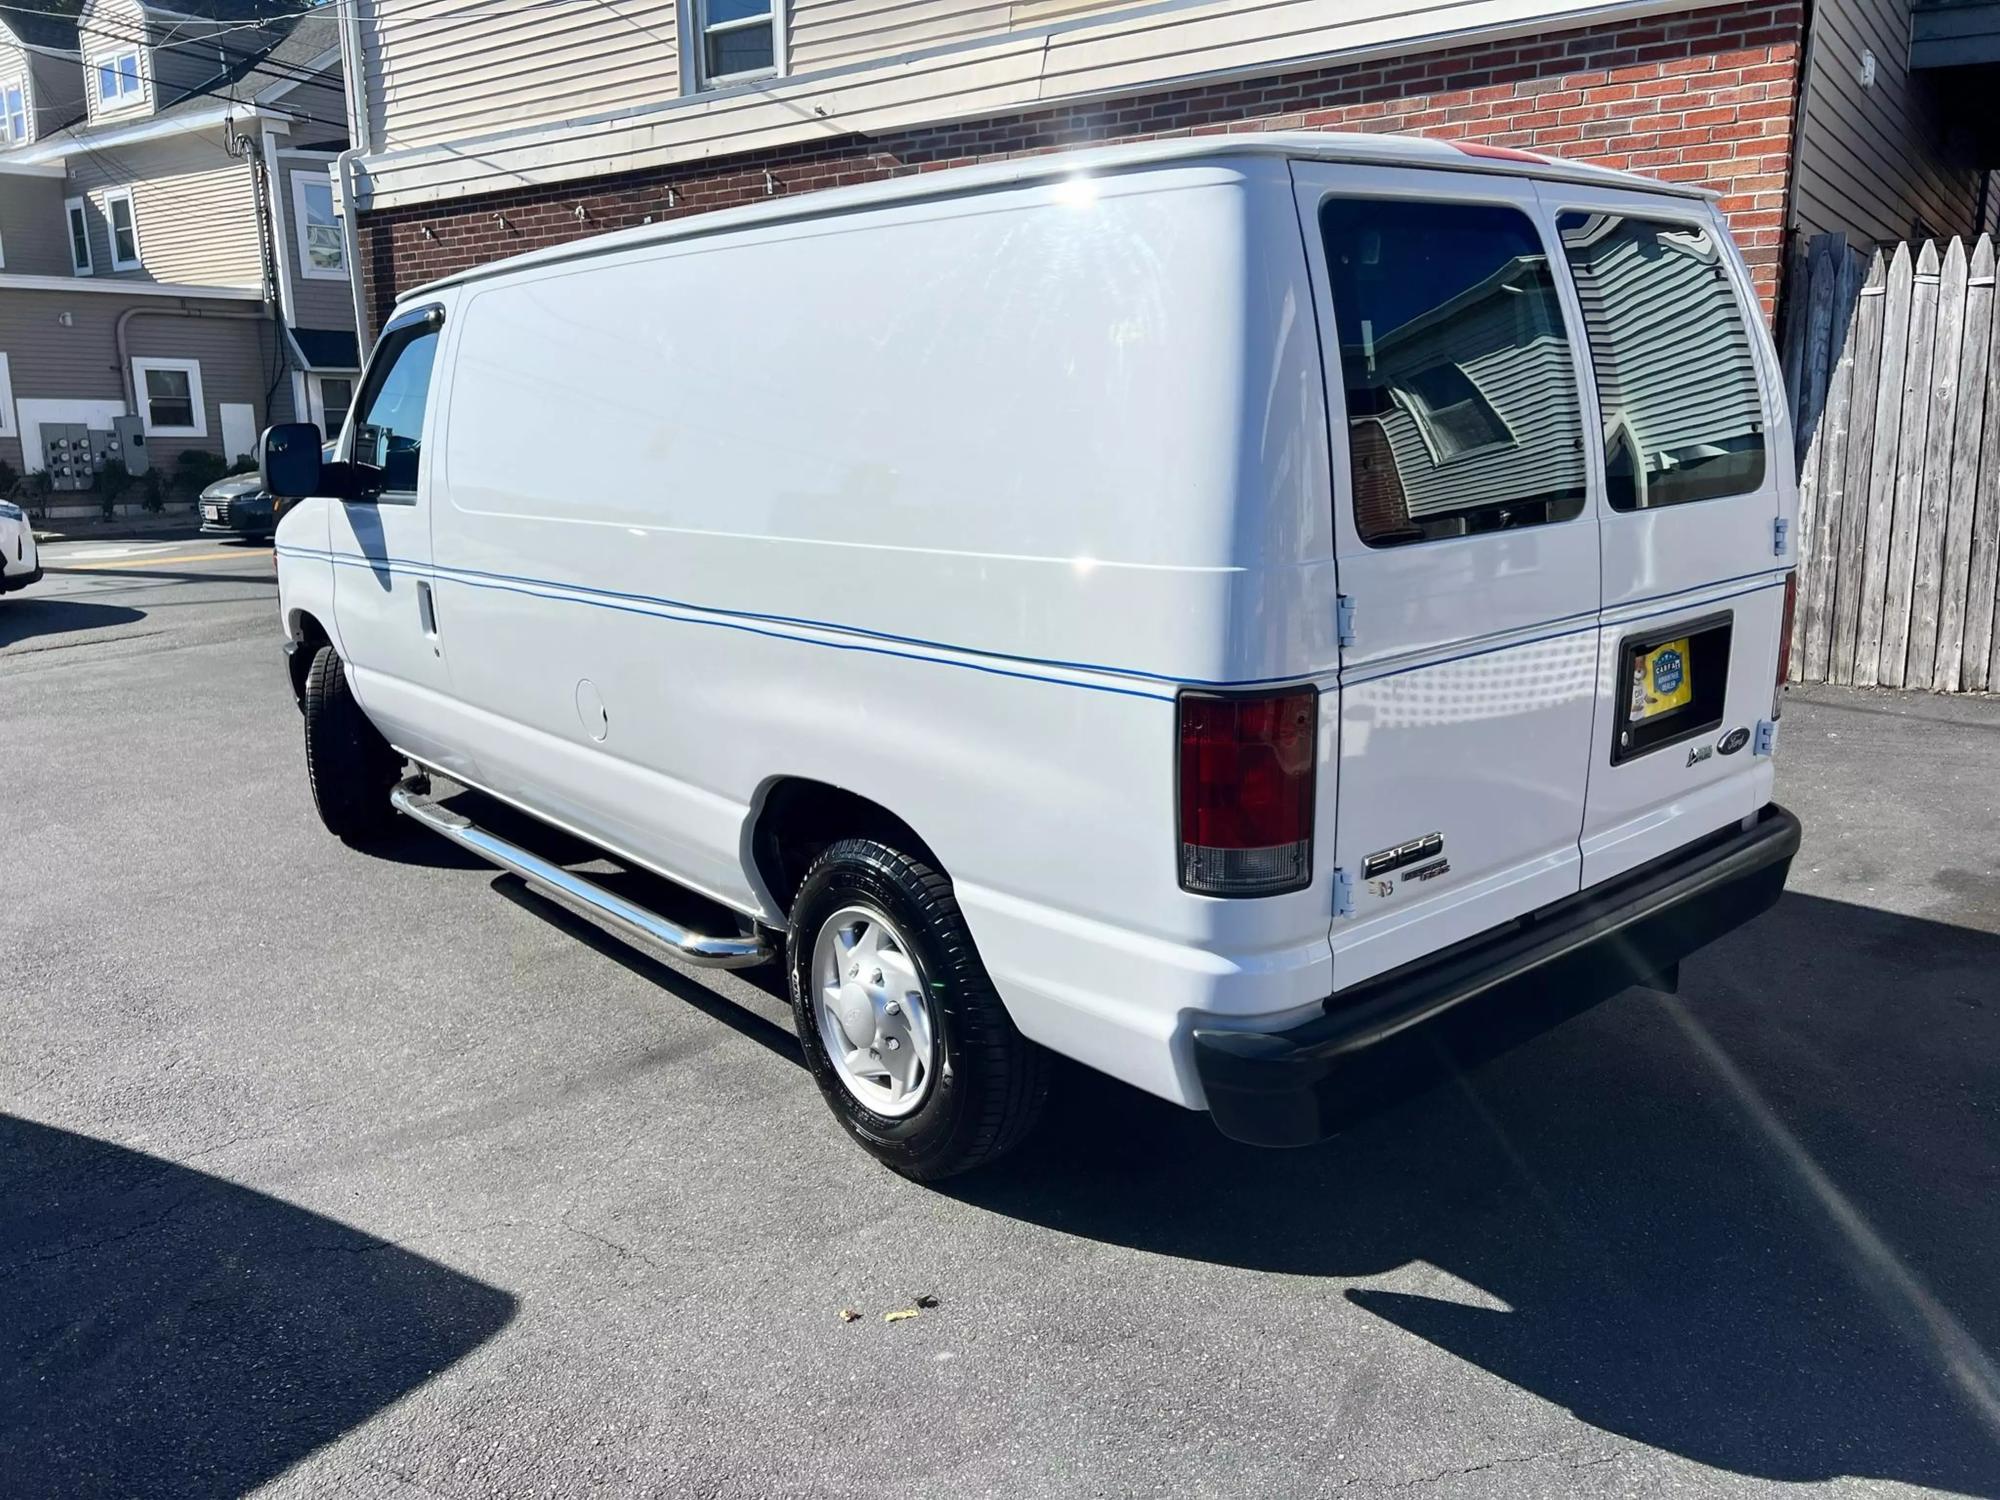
pixel 1480 997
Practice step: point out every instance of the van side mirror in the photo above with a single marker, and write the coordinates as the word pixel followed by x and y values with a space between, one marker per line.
pixel 288 461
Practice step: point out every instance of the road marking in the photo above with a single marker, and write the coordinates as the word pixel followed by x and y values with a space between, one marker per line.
pixel 157 559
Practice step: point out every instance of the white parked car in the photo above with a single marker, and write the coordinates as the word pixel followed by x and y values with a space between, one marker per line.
pixel 1204 608
pixel 20 562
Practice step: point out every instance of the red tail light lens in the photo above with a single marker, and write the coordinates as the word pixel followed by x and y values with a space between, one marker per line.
pixel 1247 770
pixel 1785 641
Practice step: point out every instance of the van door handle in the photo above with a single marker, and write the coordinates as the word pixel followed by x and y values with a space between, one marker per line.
pixel 427 609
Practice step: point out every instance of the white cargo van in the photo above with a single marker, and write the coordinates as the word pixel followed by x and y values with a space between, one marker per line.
pixel 1204 608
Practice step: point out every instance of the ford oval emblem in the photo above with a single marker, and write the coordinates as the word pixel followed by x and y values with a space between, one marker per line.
pixel 1733 741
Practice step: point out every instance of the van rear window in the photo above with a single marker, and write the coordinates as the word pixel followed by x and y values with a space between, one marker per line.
pixel 1462 407
pixel 1676 381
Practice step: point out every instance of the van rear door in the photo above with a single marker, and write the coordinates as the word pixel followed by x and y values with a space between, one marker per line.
pixel 1466 543
pixel 1685 401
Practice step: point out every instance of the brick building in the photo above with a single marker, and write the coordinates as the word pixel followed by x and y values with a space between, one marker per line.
pixel 1804 118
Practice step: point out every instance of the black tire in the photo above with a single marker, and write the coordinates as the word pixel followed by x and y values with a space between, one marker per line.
pixel 349 764
pixel 989 1082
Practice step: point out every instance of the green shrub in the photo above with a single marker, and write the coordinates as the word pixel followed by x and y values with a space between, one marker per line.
pixel 9 477
pixel 196 469
pixel 245 464
pixel 152 491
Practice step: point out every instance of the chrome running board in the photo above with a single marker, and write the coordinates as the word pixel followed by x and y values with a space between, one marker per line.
pixel 412 799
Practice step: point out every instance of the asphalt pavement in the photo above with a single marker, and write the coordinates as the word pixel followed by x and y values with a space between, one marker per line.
pixel 356 1174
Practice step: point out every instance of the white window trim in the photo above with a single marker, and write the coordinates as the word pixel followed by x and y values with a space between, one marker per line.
pixel 122 102
pixel 124 195
pixel 27 134
pixel 694 60
pixel 192 368
pixel 72 209
pixel 300 182
pixel 9 425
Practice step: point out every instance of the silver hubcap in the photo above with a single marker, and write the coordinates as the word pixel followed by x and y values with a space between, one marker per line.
pixel 874 1014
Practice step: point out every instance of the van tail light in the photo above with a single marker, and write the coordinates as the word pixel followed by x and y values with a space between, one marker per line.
pixel 1785 643
pixel 1247 769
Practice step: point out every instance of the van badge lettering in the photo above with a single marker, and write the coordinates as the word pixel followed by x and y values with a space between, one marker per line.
pixel 1733 741
pixel 1699 753
pixel 1382 887
pixel 1430 872
pixel 1416 851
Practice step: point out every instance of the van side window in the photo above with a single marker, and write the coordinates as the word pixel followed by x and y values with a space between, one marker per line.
pixel 1676 382
pixel 1462 407
pixel 389 431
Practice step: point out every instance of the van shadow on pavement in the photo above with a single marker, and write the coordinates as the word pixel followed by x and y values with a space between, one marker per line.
pixel 1757 1225
pixel 163 1332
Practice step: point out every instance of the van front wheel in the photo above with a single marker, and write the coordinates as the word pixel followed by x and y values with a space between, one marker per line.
pixel 351 767
pixel 900 1024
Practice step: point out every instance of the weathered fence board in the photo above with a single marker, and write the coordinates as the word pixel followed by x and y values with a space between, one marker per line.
pixel 1882 469
pixel 1853 544
pixel 1892 371
pixel 1955 560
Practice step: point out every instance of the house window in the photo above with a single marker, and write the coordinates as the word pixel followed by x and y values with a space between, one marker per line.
pixel 739 39
pixel 170 397
pixel 124 230
pixel 321 250
pixel 79 236
pixel 1451 411
pixel 13 113
pixel 118 78
pixel 335 394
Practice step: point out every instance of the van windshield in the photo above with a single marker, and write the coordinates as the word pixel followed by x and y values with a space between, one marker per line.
pixel 1676 382
pixel 1462 406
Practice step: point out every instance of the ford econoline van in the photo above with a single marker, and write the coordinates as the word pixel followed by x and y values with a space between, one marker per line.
pixel 1207 609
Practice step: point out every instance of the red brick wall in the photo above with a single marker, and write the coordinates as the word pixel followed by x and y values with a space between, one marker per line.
pixel 1705 97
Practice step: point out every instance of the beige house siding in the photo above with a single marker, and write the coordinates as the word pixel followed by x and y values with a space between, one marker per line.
pixel 49 361
pixel 1046 53
pixel 33 238
pixel 15 68
pixel 194 204
pixel 317 302
pixel 444 69
pixel 1874 162
pixel 57 83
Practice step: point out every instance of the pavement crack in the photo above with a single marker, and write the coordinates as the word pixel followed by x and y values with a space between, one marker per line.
pixel 132 1232
pixel 1572 1461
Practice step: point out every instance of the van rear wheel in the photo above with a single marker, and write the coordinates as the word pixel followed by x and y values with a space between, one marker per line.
pixel 900 1024
pixel 349 764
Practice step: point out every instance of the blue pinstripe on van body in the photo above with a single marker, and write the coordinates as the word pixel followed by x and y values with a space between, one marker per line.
pixel 760 624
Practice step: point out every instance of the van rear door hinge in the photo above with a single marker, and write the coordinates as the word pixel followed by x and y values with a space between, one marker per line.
pixel 1343 893
pixel 1781 531
pixel 1345 619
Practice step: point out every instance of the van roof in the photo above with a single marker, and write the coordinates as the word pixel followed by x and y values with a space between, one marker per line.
pixel 1294 145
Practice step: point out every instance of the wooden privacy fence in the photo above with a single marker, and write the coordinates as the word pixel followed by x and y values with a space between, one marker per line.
pixel 1892 363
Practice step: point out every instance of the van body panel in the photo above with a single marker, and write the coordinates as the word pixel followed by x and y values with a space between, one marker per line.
pixel 1468 688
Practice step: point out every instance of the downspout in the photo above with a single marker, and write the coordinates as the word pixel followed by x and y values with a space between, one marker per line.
pixel 262 186
pixel 354 81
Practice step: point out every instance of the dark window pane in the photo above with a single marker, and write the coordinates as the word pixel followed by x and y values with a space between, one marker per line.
pixel 1461 394
pixel 390 434
pixel 1676 381
pixel 169 398
pixel 745 51
pixel 736 10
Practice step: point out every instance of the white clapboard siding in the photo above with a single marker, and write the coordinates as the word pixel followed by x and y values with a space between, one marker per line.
pixel 834 33
pixel 106 28
pixel 441 70
pixel 1899 389
pixel 448 121
pixel 192 202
